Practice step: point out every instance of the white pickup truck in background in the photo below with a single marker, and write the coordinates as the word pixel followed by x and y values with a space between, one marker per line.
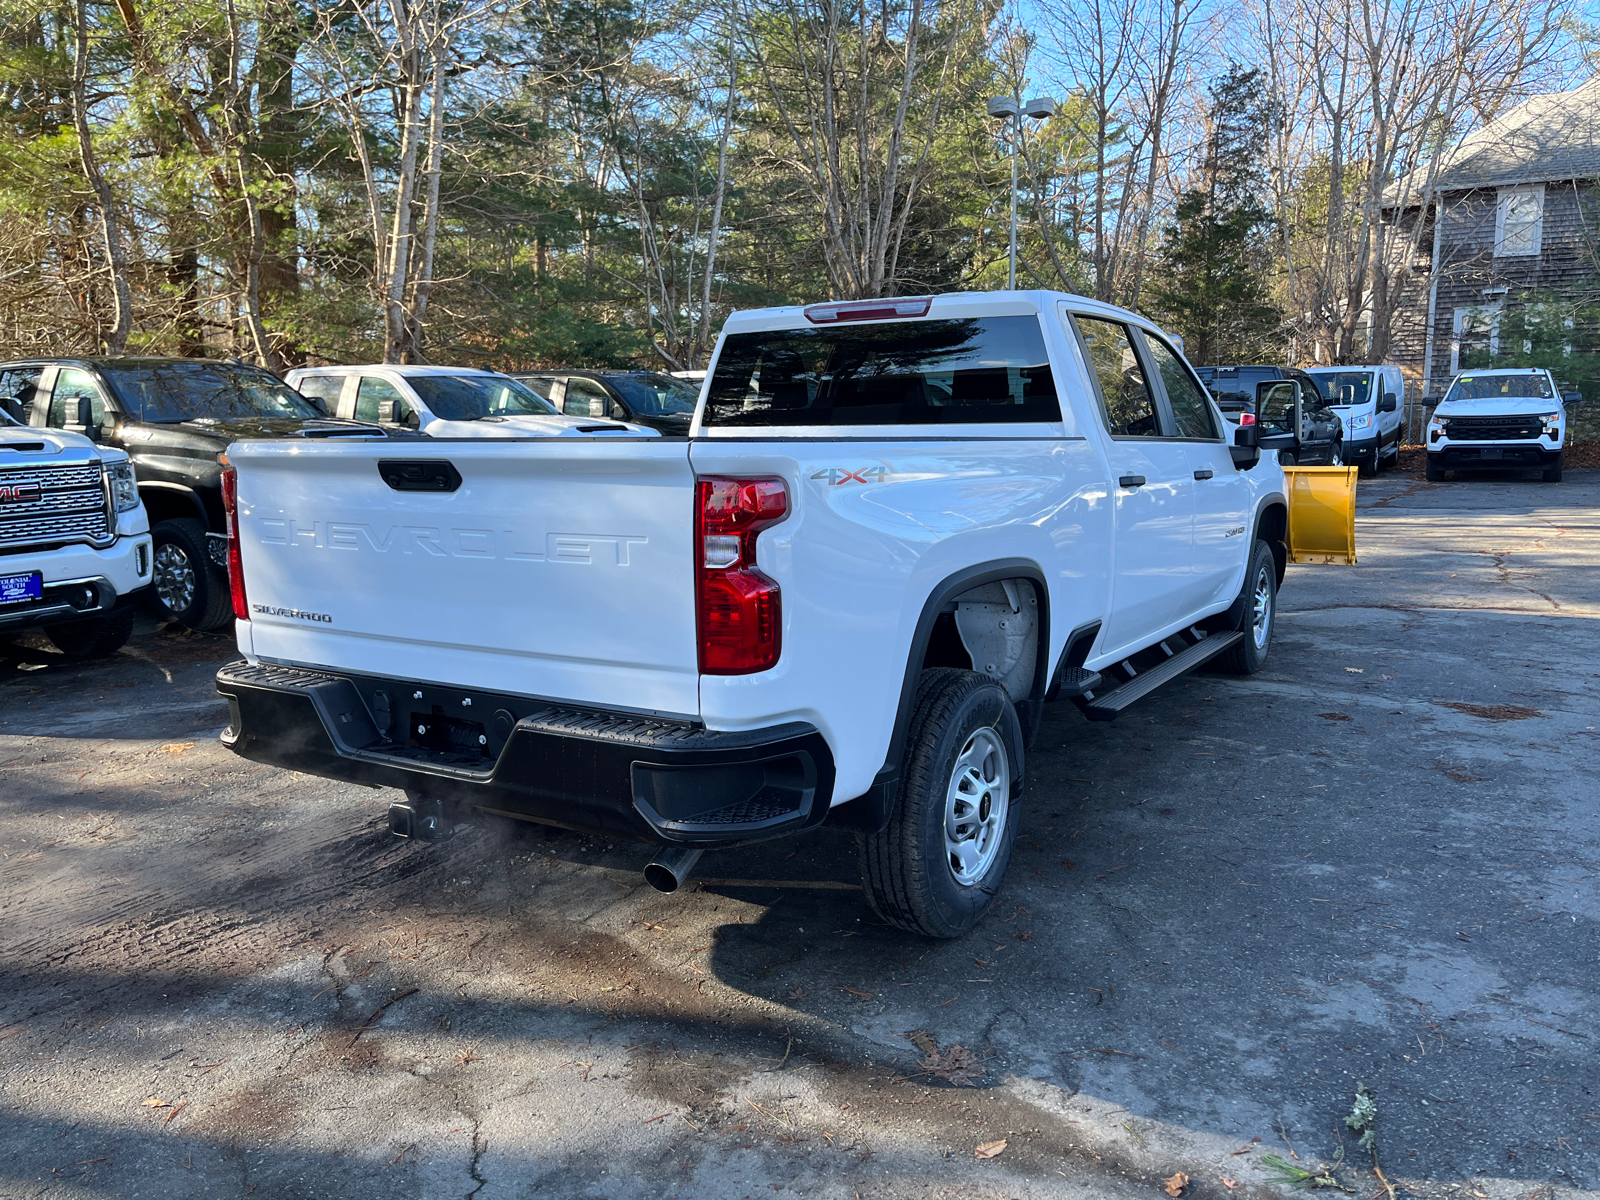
pixel 896 530
pixel 74 540
pixel 1498 420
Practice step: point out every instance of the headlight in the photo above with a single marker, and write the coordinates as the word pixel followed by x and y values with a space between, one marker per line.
pixel 124 491
pixel 1361 421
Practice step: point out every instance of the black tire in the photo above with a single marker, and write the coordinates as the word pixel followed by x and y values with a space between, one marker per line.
pixel 186 587
pixel 964 733
pixel 1257 619
pixel 93 637
pixel 1553 474
pixel 1368 470
pixel 1434 473
pixel 1336 454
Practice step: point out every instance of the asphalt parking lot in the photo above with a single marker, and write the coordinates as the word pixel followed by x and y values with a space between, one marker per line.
pixel 1372 863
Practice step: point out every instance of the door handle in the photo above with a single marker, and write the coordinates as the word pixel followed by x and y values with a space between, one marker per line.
pixel 1202 474
pixel 1131 481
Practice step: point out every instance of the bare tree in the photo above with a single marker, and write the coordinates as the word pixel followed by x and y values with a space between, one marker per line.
pixel 116 339
pixel 856 94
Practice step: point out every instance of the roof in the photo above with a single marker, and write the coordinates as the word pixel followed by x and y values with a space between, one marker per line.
pixel 1548 138
pixel 406 370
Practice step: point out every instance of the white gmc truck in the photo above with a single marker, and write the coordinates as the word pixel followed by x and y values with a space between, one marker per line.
pixel 74 539
pixel 895 530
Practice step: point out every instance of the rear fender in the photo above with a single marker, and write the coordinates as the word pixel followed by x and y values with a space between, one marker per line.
pixel 870 812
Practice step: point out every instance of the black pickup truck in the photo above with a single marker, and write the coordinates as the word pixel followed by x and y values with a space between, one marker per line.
pixel 173 416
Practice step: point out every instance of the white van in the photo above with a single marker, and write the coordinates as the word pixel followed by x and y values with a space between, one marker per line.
pixel 445 402
pixel 1367 400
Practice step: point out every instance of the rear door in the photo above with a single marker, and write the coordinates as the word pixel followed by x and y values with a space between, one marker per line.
pixel 557 568
pixel 1152 490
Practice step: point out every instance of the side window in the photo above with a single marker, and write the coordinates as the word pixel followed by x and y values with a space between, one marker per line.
pixel 1191 411
pixel 71 384
pixel 322 387
pixel 372 393
pixel 19 387
pixel 1126 403
pixel 585 398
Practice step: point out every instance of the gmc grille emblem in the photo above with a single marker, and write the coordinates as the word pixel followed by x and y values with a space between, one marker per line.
pixel 20 493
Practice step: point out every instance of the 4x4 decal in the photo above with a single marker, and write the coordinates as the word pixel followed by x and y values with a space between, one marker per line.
pixel 838 476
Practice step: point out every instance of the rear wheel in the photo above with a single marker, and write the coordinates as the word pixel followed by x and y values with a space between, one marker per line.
pixel 1552 474
pixel 94 637
pixel 938 866
pixel 186 587
pixel 1258 604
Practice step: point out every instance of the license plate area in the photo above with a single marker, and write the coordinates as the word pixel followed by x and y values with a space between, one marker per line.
pixel 440 733
pixel 19 589
pixel 1491 454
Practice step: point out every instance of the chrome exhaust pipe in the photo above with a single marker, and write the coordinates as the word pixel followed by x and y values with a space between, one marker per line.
pixel 670 870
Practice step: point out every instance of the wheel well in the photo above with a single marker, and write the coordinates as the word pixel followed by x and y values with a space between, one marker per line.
pixel 937 641
pixel 167 504
pixel 1273 529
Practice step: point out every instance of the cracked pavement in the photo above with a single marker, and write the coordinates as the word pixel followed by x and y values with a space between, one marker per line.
pixel 1372 862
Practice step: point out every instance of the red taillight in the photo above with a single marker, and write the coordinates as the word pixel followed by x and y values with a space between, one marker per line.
pixel 740 611
pixel 230 507
pixel 1247 418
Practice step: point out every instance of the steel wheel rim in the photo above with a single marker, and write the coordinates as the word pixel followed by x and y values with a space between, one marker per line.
pixel 976 802
pixel 1261 609
pixel 174 577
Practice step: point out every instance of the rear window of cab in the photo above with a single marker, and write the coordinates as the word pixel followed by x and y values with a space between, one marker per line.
pixel 945 371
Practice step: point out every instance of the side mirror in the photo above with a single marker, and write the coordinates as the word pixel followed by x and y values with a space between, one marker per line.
pixel 1280 411
pixel 393 412
pixel 86 420
pixel 1244 450
pixel 1388 403
pixel 318 403
pixel 13 409
pixel 1572 397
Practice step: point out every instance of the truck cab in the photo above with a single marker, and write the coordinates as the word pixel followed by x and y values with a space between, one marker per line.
pixel 1495 420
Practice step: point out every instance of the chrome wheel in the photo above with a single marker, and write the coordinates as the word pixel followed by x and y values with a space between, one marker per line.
pixel 975 807
pixel 1261 609
pixel 175 581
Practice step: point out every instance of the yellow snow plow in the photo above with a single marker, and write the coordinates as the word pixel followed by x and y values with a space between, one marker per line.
pixel 1322 514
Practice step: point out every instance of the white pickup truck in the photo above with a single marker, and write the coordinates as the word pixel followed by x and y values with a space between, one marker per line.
pixel 74 540
pixel 896 529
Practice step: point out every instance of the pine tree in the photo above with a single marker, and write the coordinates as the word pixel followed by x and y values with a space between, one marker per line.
pixel 1214 283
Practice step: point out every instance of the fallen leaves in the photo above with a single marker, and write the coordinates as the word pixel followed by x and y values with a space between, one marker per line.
pixel 860 993
pixel 1175 1183
pixel 800 993
pixel 955 1064
pixel 1492 712
pixel 1336 716
pixel 990 1149
pixel 155 1102
pixel 176 1109
pixel 177 747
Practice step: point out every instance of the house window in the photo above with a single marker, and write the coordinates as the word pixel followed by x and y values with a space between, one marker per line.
pixel 1519 222
pixel 1476 338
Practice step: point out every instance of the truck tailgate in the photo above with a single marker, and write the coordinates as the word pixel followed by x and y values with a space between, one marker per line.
pixel 554 568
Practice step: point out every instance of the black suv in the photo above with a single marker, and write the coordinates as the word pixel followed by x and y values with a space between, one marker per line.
pixel 173 416
pixel 643 397
pixel 1321 438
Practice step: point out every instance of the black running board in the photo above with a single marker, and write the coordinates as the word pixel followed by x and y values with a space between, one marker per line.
pixel 1107 706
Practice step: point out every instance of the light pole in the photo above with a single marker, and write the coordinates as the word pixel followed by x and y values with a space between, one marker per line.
pixel 1010 109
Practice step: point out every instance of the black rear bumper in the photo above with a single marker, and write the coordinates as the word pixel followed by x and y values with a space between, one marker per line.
pixel 602 772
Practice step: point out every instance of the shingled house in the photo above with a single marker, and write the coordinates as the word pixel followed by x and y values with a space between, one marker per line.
pixel 1515 218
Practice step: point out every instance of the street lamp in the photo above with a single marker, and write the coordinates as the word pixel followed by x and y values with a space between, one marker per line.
pixel 1010 109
